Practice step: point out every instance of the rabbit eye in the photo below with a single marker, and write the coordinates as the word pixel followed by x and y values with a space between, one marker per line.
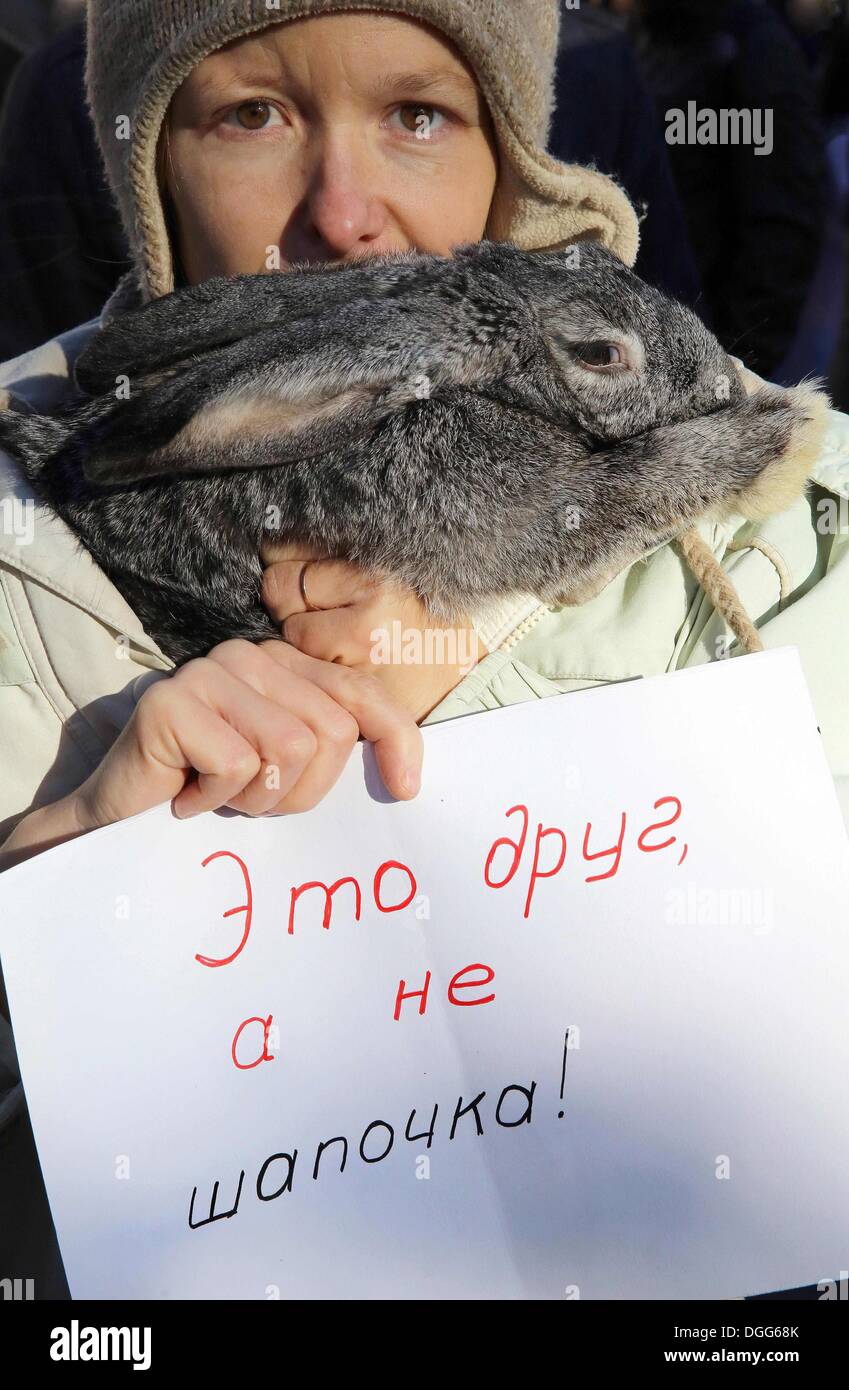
pixel 599 354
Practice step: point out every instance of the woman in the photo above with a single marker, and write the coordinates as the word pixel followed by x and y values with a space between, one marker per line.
pixel 348 131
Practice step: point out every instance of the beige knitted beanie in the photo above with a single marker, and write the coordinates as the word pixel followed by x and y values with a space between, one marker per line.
pixel 140 51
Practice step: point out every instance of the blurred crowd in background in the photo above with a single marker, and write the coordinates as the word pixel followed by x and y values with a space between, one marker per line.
pixel 757 243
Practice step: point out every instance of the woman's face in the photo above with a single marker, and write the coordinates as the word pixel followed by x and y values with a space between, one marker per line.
pixel 328 139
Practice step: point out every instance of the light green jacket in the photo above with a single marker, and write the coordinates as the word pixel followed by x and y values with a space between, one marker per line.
pixel 74 658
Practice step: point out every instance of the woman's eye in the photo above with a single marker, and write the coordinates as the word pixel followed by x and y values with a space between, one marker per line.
pixel 421 121
pixel 254 115
pixel 599 354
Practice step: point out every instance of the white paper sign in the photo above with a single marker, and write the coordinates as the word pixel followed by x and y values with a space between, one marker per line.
pixel 194 1024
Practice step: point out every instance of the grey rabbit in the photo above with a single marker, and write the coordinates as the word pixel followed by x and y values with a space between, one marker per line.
pixel 471 426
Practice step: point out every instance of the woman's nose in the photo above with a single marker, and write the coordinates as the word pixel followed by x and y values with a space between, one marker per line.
pixel 343 209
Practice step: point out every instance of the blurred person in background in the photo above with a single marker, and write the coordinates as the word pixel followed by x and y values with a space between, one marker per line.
pixel 23 24
pixel 605 117
pixel 62 247
pixel 810 22
pixel 821 348
pixel 824 27
pixel 10 56
pixel 755 220
pixel 27 23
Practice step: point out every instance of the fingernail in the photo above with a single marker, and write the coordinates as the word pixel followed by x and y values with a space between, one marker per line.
pixel 411 781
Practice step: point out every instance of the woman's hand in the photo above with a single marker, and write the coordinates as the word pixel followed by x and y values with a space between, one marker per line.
pixel 266 729
pixel 262 729
pixel 367 625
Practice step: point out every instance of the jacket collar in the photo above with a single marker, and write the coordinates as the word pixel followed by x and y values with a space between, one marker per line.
pixel 35 544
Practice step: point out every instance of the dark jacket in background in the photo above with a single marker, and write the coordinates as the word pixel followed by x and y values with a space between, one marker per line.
pixel 605 117
pixel 62 248
pixel 755 220
pixel 9 58
pixel 26 23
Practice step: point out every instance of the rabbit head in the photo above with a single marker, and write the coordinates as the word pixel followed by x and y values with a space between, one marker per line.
pixel 624 356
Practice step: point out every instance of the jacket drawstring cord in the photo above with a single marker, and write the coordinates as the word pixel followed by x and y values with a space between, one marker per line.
pixel 719 588
pixel 713 580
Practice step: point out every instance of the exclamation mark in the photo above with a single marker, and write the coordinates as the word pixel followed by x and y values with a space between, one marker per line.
pixel 561 1113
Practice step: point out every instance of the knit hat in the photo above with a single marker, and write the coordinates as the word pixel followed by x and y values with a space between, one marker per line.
pixel 140 51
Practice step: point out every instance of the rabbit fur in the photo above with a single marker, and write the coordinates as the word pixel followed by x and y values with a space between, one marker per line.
pixel 458 424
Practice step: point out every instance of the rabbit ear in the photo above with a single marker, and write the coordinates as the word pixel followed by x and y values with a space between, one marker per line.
pixel 254 427
pixel 170 329
pixel 216 417
pixel 218 312
pixel 311 386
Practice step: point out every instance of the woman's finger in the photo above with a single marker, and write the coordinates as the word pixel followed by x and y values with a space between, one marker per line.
pixel 209 743
pixel 272 551
pixel 341 635
pixel 172 732
pixel 284 742
pixel 335 729
pixel 326 584
pixel 397 739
